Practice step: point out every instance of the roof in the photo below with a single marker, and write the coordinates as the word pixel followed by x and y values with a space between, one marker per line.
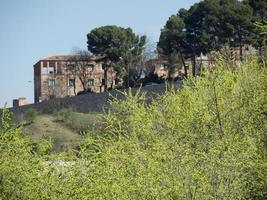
pixel 58 58
pixel 72 58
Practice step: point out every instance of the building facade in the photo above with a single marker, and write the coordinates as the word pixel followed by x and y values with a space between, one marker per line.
pixel 160 67
pixel 21 101
pixel 67 75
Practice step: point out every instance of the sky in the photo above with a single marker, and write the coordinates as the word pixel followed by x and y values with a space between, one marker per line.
pixel 34 29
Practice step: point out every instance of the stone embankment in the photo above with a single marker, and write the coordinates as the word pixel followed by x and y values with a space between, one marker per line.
pixel 91 102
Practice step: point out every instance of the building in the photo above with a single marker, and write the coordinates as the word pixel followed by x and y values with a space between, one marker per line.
pixel 67 75
pixel 160 67
pixel 19 102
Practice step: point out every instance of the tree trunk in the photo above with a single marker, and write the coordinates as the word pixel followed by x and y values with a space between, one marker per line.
pixel 194 65
pixel 240 44
pixel 108 64
pixel 240 51
pixel 74 87
pixel 83 84
pixel 105 78
pixel 185 67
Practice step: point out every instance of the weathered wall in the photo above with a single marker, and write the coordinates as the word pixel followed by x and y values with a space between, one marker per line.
pixel 54 76
pixel 93 102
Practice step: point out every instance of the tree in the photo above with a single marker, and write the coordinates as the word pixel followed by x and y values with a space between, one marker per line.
pixel 173 39
pixel 202 26
pixel 235 18
pixel 191 32
pixel 195 34
pixel 78 67
pixel 207 26
pixel 120 45
pixel 259 8
pixel 134 60
pixel 150 51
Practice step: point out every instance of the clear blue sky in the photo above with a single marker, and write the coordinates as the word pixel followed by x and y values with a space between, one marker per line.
pixel 34 29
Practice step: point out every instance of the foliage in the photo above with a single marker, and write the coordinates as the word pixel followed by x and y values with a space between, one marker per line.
pixel 211 24
pixel 54 105
pixel 121 46
pixel 204 141
pixel 179 149
pixel 259 9
pixel 79 122
pixel 172 42
pixel 262 31
pixel 63 115
pixel 78 67
pixel 30 115
pixel 18 166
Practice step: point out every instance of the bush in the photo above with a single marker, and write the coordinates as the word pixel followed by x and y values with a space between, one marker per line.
pixel 204 141
pixel 64 115
pixel 30 115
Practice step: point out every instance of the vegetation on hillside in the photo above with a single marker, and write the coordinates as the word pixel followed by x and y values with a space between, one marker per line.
pixel 64 128
pixel 204 141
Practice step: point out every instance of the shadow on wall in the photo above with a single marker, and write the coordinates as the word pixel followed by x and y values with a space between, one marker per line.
pixel 90 102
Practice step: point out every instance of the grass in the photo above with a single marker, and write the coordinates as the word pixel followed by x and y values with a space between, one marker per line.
pixel 65 131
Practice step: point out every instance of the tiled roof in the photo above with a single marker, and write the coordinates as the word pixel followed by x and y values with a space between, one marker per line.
pixel 72 57
pixel 58 57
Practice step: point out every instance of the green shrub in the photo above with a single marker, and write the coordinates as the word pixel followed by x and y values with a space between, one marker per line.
pixel 204 141
pixel 30 115
pixel 64 115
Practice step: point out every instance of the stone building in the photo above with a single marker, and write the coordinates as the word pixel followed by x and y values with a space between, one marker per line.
pixel 67 75
pixel 21 101
pixel 160 67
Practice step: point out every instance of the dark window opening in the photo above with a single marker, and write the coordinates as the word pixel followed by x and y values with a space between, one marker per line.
pixel 90 82
pixel 52 96
pixel 71 82
pixel 90 67
pixel 51 82
pixel 70 66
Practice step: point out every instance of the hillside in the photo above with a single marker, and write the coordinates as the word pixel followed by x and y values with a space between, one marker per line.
pixel 65 128
pixel 204 141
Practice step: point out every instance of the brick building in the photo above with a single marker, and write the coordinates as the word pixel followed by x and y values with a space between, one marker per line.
pixel 66 75
pixel 21 101
pixel 160 67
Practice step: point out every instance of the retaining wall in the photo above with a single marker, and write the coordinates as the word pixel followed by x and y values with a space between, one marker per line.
pixel 92 102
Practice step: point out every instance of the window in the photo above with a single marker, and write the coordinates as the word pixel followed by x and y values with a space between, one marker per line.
pixel 51 70
pixel 59 68
pixel 90 82
pixel 52 96
pixel 51 82
pixel 70 66
pixel 44 70
pixel 51 65
pixel 90 67
pixel 71 82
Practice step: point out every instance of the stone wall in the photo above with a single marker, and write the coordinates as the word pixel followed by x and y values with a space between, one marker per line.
pixel 92 102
